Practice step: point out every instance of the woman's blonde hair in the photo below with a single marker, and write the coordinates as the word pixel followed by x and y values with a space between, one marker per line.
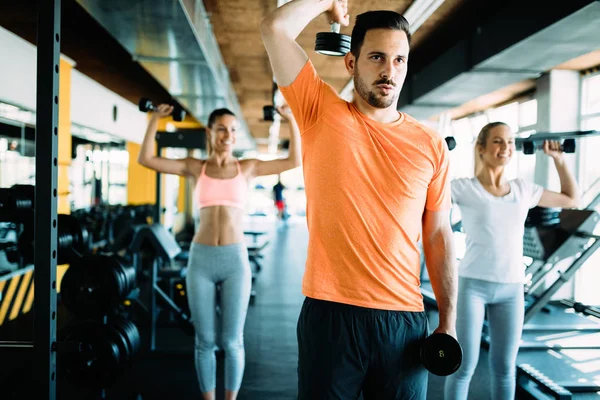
pixel 482 139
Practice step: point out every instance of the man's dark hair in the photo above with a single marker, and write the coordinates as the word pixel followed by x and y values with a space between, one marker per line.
pixel 219 112
pixel 381 19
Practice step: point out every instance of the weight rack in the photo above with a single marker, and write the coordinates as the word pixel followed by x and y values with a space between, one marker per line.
pixel 44 346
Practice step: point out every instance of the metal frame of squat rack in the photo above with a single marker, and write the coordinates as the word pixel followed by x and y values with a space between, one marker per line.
pixel 44 345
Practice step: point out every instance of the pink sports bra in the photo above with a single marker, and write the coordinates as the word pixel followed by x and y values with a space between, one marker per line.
pixel 221 192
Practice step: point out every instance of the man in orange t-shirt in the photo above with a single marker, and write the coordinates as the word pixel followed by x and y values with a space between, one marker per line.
pixel 376 180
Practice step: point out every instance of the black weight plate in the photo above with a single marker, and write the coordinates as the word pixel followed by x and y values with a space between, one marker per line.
pixel 119 335
pixel 331 43
pixel 131 278
pixel 90 287
pixel 441 354
pixel 131 337
pixel 88 356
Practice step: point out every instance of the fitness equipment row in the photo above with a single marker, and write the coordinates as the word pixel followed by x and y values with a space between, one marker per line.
pixel 95 290
pixel 99 341
pixel 102 222
pixel 106 222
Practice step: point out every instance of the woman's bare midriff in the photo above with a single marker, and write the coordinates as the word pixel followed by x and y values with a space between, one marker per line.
pixel 220 226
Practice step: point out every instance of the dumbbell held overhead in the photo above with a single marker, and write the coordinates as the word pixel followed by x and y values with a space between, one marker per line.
pixel 146 105
pixel 529 147
pixel 535 142
pixel 333 43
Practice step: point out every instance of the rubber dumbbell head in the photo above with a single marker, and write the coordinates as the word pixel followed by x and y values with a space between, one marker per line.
pixel 528 148
pixel 269 113
pixel 441 354
pixel 333 43
pixel 451 142
pixel 568 146
pixel 145 105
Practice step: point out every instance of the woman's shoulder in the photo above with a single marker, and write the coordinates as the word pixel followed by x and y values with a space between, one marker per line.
pixel 521 183
pixel 525 186
pixel 463 182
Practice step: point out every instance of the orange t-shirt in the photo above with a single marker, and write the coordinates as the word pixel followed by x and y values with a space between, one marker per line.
pixel 367 184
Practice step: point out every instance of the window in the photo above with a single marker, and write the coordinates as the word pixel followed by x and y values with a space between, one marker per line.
pixel 98 173
pixel 16 166
pixel 591 95
pixel 590 120
pixel 586 290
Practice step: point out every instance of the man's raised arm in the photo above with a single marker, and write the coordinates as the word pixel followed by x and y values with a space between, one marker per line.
pixel 281 28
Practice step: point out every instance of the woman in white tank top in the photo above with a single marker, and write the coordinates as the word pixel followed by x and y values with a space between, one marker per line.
pixel 491 273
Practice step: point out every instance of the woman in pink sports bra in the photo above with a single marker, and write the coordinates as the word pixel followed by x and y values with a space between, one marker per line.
pixel 218 253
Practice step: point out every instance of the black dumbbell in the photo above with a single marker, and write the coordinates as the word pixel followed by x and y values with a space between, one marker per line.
pixel 568 146
pixel 333 43
pixel 441 354
pixel 269 113
pixel 146 105
pixel 451 142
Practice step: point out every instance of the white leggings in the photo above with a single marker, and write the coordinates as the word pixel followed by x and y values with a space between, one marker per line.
pixel 505 307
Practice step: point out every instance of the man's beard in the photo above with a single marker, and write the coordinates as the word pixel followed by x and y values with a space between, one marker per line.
pixel 370 96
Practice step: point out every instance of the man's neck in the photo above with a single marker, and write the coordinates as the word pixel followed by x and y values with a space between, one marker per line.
pixel 383 115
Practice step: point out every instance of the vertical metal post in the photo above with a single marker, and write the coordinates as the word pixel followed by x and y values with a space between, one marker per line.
pixel 46 180
pixel 158 211
pixel 153 314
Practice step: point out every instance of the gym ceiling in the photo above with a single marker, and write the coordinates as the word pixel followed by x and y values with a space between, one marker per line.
pixel 466 55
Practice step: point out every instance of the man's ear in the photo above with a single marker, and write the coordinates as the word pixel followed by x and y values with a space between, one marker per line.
pixel 350 62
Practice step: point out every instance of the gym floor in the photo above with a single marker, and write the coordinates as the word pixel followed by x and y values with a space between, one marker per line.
pixel 270 337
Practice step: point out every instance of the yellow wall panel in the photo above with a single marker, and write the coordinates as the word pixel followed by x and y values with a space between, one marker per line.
pixel 64 135
pixel 181 195
pixel 64 113
pixel 141 183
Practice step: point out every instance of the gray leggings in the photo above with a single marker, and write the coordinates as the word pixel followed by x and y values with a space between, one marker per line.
pixel 228 266
pixel 505 306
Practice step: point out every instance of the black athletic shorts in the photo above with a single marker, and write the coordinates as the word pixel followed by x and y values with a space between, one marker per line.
pixel 344 350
